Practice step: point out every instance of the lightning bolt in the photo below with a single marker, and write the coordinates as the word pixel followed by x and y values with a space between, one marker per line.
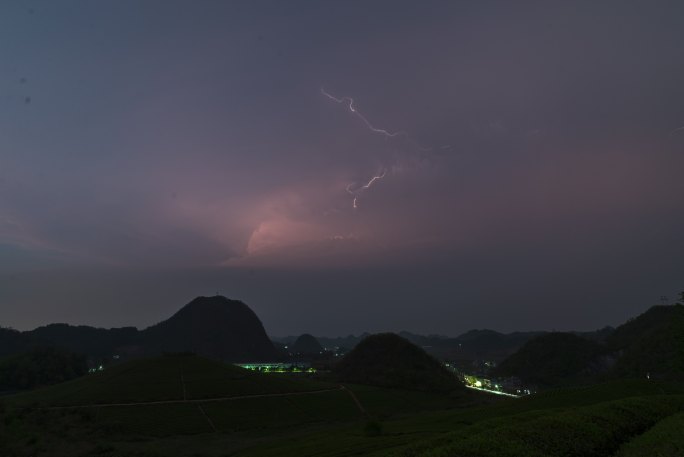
pixel 373 179
pixel 350 104
pixel 359 190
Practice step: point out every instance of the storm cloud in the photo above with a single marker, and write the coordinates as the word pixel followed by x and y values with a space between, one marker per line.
pixel 171 149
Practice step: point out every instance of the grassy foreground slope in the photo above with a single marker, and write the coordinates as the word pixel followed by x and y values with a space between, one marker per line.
pixel 596 430
pixel 290 418
pixel 413 434
pixel 666 439
pixel 166 378
pixel 181 405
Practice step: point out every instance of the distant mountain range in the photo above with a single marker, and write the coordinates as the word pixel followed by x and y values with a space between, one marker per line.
pixel 229 330
pixel 651 344
pixel 484 345
pixel 214 327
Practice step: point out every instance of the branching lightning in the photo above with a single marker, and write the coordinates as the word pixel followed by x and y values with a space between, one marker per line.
pixel 350 103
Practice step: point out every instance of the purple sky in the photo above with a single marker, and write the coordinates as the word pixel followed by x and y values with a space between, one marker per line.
pixel 529 162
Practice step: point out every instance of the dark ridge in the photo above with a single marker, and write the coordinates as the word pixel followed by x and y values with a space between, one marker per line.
pixel 97 342
pixel 651 345
pixel 40 367
pixel 214 327
pixel 12 341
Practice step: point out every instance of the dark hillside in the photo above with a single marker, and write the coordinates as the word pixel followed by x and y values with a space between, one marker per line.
pixel 654 319
pixel 214 327
pixel 489 344
pixel 165 378
pixel 12 341
pixel 554 359
pixel 306 344
pixel 388 360
pixel 40 367
pixel 651 344
pixel 83 339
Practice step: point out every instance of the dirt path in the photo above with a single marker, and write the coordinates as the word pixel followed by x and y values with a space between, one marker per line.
pixel 182 380
pixel 202 400
pixel 211 423
pixel 356 400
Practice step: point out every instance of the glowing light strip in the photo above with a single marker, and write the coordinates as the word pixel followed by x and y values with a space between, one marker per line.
pixel 497 392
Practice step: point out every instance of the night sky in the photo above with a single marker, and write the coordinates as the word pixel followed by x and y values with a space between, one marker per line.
pixel 528 162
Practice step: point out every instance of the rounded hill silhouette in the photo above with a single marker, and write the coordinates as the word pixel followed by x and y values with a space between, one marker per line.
pixel 306 344
pixel 215 327
pixel 388 360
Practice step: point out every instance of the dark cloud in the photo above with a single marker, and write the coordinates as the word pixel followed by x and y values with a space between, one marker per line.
pixel 178 147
